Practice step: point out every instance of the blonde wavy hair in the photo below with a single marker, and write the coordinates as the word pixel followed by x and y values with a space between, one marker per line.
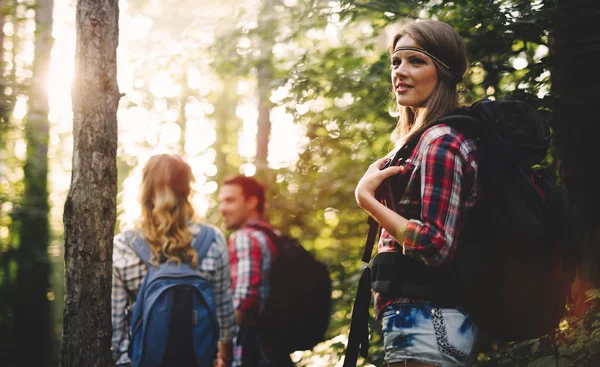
pixel 166 209
pixel 442 41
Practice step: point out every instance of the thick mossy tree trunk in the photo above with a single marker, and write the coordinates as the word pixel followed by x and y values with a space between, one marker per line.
pixel 32 308
pixel 575 51
pixel 90 207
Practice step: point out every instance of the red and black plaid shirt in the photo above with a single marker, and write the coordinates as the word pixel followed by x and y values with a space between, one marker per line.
pixel 251 253
pixel 442 185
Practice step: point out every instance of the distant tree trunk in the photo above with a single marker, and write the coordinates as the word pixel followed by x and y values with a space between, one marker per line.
pixel 32 308
pixel 2 86
pixel 227 125
pixel 182 121
pixel 265 81
pixel 7 259
pixel 4 103
pixel 90 207
pixel 575 51
pixel 2 15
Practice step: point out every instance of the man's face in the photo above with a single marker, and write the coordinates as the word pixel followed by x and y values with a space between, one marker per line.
pixel 234 207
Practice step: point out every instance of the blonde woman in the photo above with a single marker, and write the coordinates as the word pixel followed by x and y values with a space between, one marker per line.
pixel 435 188
pixel 168 228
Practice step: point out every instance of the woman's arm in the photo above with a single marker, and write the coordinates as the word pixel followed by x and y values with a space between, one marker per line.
pixel 391 221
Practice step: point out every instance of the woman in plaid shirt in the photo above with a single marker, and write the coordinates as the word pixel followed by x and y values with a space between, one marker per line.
pixel 428 60
pixel 168 227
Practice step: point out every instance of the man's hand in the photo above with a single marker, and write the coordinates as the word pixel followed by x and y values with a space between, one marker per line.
pixel 221 362
pixel 225 355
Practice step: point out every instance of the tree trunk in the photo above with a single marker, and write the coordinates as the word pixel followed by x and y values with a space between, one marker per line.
pixel 182 121
pixel 265 80
pixel 227 125
pixel 32 308
pixel 575 50
pixel 90 207
pixel 2 81
pixel 2 15
pixel 4 102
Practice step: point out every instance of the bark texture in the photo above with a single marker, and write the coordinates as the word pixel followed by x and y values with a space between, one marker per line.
pixel 90 208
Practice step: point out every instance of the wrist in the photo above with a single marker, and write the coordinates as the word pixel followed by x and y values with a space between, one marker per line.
pixel 364 198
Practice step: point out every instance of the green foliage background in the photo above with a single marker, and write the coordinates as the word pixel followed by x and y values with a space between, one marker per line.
pixel 331 73
pixel 314 199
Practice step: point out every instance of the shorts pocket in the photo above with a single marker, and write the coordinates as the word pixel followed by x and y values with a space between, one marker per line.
pixel 387 312
pixel 455 332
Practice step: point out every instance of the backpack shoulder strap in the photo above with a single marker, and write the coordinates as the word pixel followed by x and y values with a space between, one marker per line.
pixel 139 245
pixel 202 243
pixel 271 235
pixel 268 231
pixel 462 122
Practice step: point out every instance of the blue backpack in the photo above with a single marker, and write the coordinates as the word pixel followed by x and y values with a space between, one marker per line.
pixel 174 321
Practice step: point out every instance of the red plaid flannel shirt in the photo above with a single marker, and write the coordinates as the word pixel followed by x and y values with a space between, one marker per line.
pixel 442 185
pixel 251 253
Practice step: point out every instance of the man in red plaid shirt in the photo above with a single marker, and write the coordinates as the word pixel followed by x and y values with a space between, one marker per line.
pixel 251 252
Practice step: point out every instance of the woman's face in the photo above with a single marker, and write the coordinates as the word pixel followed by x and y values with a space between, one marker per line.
pixel 414 75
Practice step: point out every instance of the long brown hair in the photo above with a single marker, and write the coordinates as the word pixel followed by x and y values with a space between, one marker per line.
pixel 166 208
pixel 442 41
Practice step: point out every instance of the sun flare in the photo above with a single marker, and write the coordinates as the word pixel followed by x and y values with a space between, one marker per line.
pixel 148 118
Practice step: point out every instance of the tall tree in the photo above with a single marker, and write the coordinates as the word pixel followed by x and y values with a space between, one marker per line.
pixel 574 50
pixel 225 100
pixel 32 309
pixel 11 184
pixel 90 207
pixel 182 120
pixel 2 11
pixel 267 28
pixel 2 81
pixel 227 125
pixel 4 101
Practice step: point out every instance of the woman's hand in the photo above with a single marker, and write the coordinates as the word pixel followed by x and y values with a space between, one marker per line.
pixel 372 179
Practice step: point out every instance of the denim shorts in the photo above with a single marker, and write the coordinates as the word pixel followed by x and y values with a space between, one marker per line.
pixel 423 333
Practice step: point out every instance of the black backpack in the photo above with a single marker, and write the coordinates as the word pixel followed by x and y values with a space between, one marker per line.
pixel 296 314
pixel 517 254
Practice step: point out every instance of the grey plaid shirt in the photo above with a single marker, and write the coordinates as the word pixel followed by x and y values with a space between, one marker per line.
pixel 129 271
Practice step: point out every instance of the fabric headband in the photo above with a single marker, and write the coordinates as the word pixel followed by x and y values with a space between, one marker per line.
pixel 423 51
